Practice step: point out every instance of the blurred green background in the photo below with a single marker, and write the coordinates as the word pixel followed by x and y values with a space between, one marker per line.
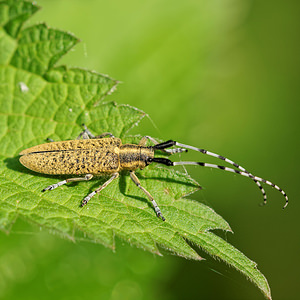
pixel 221 75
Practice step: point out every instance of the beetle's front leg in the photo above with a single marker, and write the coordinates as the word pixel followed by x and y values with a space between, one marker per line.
pixel 138 184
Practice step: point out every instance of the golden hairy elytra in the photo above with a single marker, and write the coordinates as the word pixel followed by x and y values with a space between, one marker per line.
pixel 91 156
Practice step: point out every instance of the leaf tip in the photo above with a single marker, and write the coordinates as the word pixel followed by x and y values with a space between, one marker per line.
pixel 200 258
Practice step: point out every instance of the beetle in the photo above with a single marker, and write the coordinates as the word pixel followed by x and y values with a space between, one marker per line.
pixel 104 154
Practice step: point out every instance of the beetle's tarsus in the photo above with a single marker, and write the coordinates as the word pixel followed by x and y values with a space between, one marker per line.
pixel 54 186
pixel 86 200
pixel 49 188
pixel 161 216
pixel 158 212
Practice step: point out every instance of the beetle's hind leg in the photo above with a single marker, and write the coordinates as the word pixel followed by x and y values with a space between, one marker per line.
pixel 56 185
pixel 104 185
pixel 138 184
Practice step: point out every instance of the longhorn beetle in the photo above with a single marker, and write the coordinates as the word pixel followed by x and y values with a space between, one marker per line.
pixel 100 155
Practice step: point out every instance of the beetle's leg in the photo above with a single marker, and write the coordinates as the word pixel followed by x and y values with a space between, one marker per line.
pixel 55 185
pixel 87 131
pixel 144 140
pixel 86 134
pixel 103 135
pixel 92 194
pixel 138 184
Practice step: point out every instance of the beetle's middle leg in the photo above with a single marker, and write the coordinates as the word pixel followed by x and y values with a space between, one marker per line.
pixel 104 185
pixel 144 140
pixel 138 184
pixel 86 134
pixel 56 185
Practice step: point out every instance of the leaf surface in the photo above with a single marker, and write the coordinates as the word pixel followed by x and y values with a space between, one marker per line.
pixel 38 100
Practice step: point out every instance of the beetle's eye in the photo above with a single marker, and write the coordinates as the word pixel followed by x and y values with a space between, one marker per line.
pixel 149 160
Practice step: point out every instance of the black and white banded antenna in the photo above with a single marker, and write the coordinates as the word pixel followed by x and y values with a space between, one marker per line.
pixel 242 171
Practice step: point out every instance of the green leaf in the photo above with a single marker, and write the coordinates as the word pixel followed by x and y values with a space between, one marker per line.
pixel 13 13
pixel 44 45
pixel 40 100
